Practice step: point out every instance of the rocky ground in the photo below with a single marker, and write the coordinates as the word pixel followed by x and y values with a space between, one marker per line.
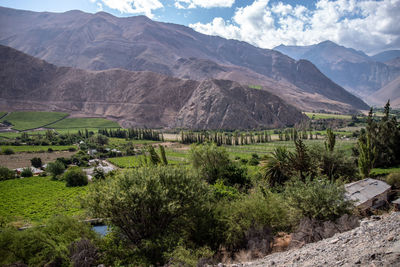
pixel 376 242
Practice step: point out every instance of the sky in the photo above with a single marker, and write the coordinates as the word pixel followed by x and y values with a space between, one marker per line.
pixel 366 25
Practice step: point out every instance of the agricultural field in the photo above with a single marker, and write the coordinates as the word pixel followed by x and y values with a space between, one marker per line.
pixel 382 171
pixel 120 141
pixel 12 135
pixel 180 155
pixel 36 199
pixel 37 148
pixel 75 123
pixel 26 120
pixel 173 157
pixel 2 114
pixel 327 116
pixel 22 160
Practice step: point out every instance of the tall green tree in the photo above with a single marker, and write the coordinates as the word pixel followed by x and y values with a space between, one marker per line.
pixel 300 160
pixel 330 140
pixel 163 156
pixel 367 155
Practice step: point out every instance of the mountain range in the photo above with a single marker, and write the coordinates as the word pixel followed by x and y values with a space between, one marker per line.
pixel 101 42
pixel 357 72
pixel 141 98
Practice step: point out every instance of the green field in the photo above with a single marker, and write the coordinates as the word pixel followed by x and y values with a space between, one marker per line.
pixel 25 120
pixel 381 171
pixel 38 198
pixel 2 113
pixel 74 123
pixel 173 158
pixel 37 148
pixel 121 141
pixel 245 151
pixel 327 116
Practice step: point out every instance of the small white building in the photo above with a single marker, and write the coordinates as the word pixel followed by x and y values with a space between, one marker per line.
pixel 368 193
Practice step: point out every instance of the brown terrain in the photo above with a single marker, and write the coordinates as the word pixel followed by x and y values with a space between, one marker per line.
pixel 144 99
pixel 22 160
pixel 390 91
pixel 355 71
pixel 101 42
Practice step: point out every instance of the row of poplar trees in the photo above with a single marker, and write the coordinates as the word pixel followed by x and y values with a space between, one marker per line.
pixel 221 138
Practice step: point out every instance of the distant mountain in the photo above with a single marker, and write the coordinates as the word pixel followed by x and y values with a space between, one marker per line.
pixel 386 56
pixel 352 69
pixel 101 41
pixel 390 91
pixel 394 62
pixel 143 99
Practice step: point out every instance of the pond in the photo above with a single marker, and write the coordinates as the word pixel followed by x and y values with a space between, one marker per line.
pixel 101 229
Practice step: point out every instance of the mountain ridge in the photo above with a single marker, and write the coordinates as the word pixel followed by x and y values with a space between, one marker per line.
pixel 101 41
pixel 138 99
pixel 353 70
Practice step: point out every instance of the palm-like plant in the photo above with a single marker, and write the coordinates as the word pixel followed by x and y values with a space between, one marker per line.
pixel 277 169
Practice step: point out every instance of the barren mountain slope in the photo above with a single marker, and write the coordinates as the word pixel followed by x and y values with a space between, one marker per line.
pixel 137 98
pixel 101 41
pixel 353 70
pixel 390 91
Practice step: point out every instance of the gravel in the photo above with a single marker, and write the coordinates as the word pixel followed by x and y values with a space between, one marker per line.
pixel 376 242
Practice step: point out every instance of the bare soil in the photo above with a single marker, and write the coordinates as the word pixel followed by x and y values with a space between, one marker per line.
pixel 21 160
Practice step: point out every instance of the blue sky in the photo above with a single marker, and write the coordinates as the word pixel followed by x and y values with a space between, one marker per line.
pixel 368 25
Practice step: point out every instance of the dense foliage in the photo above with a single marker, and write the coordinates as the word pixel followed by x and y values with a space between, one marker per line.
pixel 43 246
pixel 75 177
pixel 6 174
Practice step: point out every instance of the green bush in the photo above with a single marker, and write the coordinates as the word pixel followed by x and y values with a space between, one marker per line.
pixel 75 177
pixel 154 207
pixel 55 168
pixel 43 246
pixel 183 256
pixel 8 151
pixel 320 199
pixel 213 163
pixel 27 172
pixel 6 174
pixel 394 180
pixel 261 213
pixel 36 162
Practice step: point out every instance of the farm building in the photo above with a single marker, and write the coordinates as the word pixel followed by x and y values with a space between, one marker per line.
pixel 397 204
pixel 368 193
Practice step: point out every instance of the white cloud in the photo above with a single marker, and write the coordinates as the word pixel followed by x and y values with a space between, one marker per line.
pixel 367 25
pixel 133 6
pixel 184 4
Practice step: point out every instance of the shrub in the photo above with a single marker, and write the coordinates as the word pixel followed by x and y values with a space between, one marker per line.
pixel 26 172
pixel 254 216
pixel 394 180
pixel 50 150
pixel 98 174
pixel 42 246
pixel 8 151
pixel 213 163
pixel 153 207
pixel 319 199
pixel 75 177
pixel 6 174
pixel 36 162
pixel 55 168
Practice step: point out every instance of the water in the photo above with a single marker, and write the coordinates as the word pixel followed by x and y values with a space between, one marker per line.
pixel 101 229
